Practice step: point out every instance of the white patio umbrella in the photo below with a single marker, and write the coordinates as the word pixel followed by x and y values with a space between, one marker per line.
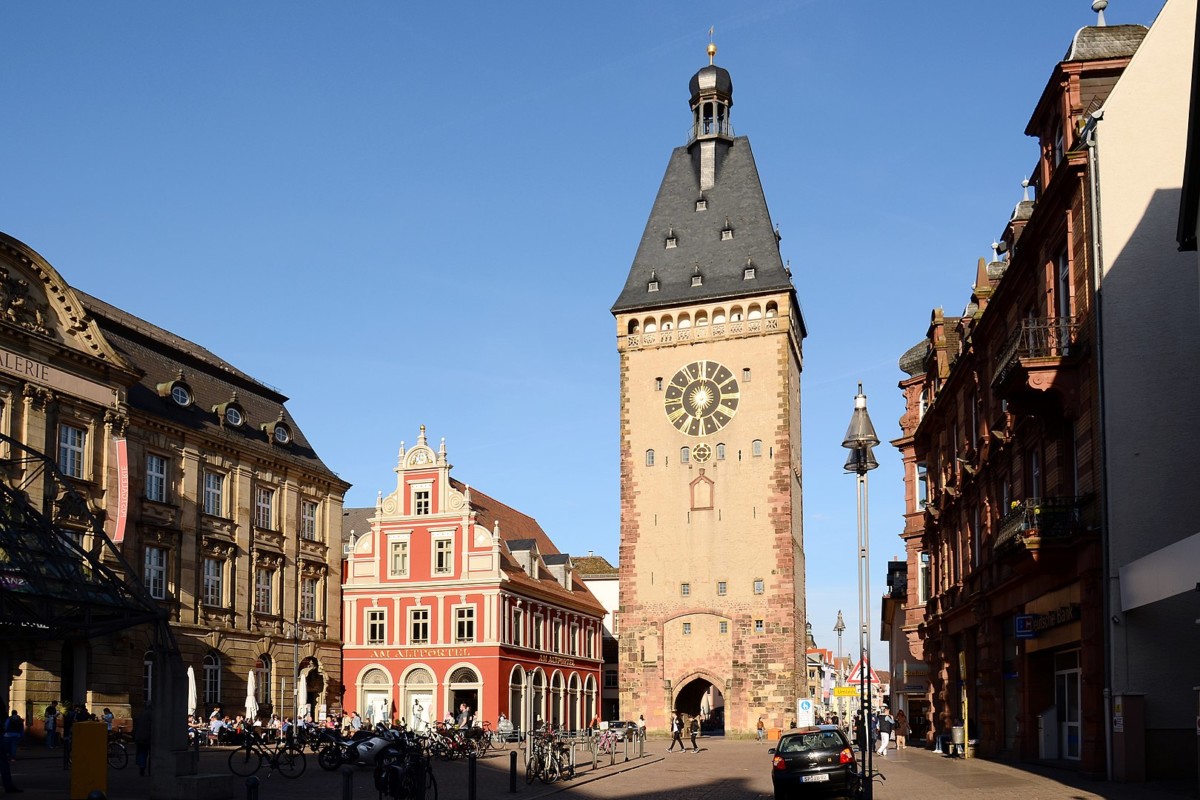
pixel 192 702
pixel 301 692
pixel 251 701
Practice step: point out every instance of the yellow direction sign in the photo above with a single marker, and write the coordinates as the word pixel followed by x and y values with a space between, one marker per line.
pixel 845 691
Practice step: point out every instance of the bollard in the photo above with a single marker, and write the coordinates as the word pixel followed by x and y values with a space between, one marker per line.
pixel 252 788
pixel 347 783
pixel 471 776
pixel 512 772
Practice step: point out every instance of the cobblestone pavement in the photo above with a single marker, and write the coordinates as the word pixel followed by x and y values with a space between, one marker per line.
pixel 722 770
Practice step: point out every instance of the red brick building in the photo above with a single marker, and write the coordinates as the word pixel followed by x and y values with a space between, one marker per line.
pixel 1002 464
pixel 452 597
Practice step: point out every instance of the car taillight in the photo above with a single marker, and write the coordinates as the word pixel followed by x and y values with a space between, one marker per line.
pixel 778 763
pixel 846 756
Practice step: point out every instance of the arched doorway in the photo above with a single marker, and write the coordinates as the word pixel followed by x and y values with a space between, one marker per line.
pixel 310 686
pixel 590 709
pixel 464 688
pixel 375 696
pixel 418 698
pixel 516 698
pixel 556 699
pixel 701 698
pixel 573 721
pixel 537 698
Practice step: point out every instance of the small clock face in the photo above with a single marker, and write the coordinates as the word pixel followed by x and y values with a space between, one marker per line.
pixel 701 398
pixel 701 453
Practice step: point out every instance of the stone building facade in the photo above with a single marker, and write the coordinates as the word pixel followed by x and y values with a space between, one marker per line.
pixel 709 336
pixel 205 484
pixel 1002 453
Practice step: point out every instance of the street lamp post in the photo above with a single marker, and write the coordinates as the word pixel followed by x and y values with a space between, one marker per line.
pixel 837 674
pixel 860 438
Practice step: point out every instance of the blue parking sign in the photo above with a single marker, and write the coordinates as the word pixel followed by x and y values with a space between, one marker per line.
pixel 1023 626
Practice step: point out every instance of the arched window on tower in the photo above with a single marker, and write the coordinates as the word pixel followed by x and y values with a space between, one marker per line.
pixel 685 455
pixel 649 458
pixel 756 448
pixel 720 451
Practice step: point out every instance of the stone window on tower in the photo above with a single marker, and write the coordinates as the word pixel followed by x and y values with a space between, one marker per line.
pixel 719 317
pixel 756 448
pixel 745 375
pixel 634 326
pixel 684 455
pixel 722 586
pixel 658 384
pixel 667 323
pixel 755 312
pixel 684 320
pixel 735 314
pixel 759 586
pixel 650 326
pixel 687 629
pixel 685 590
pixel 723 627
pixel 649 458
pixel 701 319
pixel 772 310
pixel 720 451
pixel 759 626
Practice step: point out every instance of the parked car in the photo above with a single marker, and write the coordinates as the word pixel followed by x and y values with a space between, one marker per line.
pixel 813 761
pixel 624 729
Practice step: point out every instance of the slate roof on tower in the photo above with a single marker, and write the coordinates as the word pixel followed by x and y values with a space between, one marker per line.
pixel 714 232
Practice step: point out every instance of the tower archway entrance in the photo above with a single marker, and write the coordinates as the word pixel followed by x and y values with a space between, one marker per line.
pixel 702 699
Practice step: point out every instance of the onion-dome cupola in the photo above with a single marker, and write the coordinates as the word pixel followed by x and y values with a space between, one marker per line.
pixel 711 98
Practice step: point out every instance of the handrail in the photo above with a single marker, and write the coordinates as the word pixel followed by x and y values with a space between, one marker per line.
pixel 1047 337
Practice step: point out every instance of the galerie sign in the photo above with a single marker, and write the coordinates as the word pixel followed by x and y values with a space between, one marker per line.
pixel 38 372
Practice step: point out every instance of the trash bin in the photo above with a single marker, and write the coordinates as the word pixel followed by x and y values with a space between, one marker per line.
pixel 89 759
pixel 970 753
pixel 773 734
pixel 958 739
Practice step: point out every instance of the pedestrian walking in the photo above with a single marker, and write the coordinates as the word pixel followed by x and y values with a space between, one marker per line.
pixel 52 724
pixel 761 730
pixel 693 729
pixel 142 725
pixel 676 733
pixel 14 728
pixel 901 731
pixel 886 723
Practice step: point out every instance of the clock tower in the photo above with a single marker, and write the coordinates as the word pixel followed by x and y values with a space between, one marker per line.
pixel 709 333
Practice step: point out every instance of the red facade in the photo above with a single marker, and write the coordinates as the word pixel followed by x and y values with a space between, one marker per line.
pixel 452 597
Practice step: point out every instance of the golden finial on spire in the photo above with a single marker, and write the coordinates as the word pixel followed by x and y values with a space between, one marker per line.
pixel 712 48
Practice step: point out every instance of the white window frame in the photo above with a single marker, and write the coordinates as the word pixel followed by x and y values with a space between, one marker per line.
pixel 214 493
pixel 422 499
pixel 556 628
pixel 72 451
pixel 212 591
pixel 419 615
pixel 376 626
pixel 685 590
pixel 760 626
pixel 687 629
pixel 156 477
pixel 264 589
pixel 723 627
pixel 310 591
pixel 464 624
pixel 442 550
pixel 573 640
pixel 760 586
pixel 308 520
pixel 212 679
pixel 722 588
pixel 518 627
pixel 538 632
pixel 756 448
pixel 264 507
pixel 155 571
pixel 398 545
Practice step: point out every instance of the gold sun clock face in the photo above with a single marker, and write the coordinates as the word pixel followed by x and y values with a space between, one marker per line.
pixel 702 398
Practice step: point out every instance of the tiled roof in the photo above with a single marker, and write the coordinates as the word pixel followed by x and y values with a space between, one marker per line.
pixel 595 567
pixel 699 247
pixel 160 356
pixel 356 521
pixel 1094 42
pixel 913 360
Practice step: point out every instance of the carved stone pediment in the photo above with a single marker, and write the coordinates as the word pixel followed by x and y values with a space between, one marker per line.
pixel 218 547
pixel 268 560
pixel 161 514
pixel 272 540
pixel 313 550
pixel 218 526
pixel 217 617
pixel 313 569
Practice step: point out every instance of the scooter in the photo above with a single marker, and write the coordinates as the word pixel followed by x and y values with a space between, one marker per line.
pixel 366 748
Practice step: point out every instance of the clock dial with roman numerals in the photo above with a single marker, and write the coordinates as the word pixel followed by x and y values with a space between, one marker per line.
pixel 702 398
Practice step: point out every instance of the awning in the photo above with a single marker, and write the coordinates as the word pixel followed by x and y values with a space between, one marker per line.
pixel 1173 570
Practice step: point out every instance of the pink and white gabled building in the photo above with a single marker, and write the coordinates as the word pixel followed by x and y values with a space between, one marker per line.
pixel 452 597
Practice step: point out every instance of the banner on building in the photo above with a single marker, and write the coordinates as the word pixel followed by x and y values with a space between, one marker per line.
pixel 122 490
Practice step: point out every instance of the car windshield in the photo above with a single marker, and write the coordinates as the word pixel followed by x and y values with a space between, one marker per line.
pixel 821 740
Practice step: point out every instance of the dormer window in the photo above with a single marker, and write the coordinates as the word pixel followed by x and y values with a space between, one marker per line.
pixel 278 432
pixel 701 205
pixel 178 390
pixel 697 280
pixel 234 417
pixel 652 286
pixel 748 273
pixel 671 240
pixel 727 231
pixel 230 413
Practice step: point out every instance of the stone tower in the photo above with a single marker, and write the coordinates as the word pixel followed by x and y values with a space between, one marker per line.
pixel 709 334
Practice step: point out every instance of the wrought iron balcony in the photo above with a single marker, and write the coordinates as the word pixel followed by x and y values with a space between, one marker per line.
pixel 1051 338
pixel 1036 520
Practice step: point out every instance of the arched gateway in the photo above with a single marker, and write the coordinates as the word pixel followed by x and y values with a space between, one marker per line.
pixel 700 697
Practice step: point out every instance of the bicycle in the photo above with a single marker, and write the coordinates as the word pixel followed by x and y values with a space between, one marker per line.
pixel 858 781
pixel 246 760
pixel 606 743
pixel 118 754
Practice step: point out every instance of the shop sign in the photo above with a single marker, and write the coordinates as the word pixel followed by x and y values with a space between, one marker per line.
pixel 1059 616
pixel 1023 626
pixel 558 660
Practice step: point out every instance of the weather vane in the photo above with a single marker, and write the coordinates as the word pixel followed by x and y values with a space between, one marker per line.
pixel 712 48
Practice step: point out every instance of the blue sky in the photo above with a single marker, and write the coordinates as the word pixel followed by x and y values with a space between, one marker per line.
pixel 404 214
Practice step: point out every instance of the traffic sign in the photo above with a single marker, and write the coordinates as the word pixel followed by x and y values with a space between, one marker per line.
pixel 845 691
pixel 856 674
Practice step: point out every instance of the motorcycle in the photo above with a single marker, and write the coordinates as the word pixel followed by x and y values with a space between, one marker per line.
pixel 364 748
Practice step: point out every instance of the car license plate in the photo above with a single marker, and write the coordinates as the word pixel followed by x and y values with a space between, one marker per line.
pixel 821 777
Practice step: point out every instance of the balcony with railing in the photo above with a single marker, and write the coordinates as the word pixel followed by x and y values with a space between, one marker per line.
pixel 1037 353
pixel 1039 521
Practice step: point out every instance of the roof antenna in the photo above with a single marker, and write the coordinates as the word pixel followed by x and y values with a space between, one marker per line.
pixel 1025 189
pixel 712 48
pixel 1098 6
